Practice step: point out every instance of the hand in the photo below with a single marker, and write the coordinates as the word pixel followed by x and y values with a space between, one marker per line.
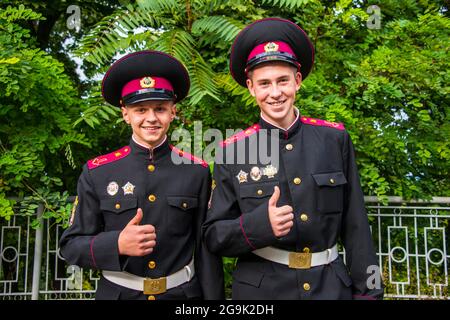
pixel 281 218
pixel 136 240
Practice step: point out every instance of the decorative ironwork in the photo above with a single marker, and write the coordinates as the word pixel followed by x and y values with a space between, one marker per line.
pixel 411 241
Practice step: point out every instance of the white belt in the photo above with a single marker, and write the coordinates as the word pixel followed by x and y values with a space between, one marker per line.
pixel 149 285
pixel 298 260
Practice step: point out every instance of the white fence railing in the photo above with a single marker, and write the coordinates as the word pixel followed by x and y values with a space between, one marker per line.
pixel 411 241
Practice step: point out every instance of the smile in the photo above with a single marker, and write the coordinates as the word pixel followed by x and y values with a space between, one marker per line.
pixel 276 103
pixel 152 128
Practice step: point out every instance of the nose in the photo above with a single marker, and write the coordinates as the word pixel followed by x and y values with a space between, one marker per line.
pixel 151 116
pixel 275 92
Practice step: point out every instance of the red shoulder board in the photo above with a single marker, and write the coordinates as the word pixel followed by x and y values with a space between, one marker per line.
pixel 241 135
pixel 108 158
pixel 323 123
pixel 189 156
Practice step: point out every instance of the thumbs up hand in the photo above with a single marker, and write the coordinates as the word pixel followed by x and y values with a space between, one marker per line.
pixel 136 240
pixel 281 218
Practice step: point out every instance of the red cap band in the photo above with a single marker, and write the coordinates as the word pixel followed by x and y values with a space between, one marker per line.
pixel 273 46
pixel 145 83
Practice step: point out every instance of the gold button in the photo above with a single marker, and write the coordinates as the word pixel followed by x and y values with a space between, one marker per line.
pixel 117 206
pixel 259 192
pixel 289 147
pixel 184 205
pixel 152 264
pixel 151 298
pixel 306 250
pixel 297 180
pixel 304 217
pixel 151 168
pixel 306 286
pixel 332 181
pixel 152 198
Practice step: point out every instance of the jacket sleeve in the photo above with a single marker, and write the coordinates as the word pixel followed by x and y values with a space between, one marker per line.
pixel 227 230
pixel 208 265
pixel 85 243
pixel 355 233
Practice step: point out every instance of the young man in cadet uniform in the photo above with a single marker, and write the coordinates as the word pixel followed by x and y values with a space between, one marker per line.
pixel 138 215
pixel 283 220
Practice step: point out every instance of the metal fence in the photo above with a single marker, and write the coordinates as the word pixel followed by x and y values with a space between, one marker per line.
pixel 411 239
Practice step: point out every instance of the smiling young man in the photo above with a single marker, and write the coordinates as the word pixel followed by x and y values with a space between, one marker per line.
pixel 283 219
pixel 138 215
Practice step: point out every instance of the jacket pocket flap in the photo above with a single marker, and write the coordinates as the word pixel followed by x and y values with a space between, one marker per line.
pixel 183 202
pixel 252 278
pixel 342 273
pixel 257 190
pixel 330 179
pixel 118 205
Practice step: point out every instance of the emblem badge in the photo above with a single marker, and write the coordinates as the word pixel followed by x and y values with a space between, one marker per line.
pixel 147 82
pixel 242 176
pixel 271 47
pixel 270 171
pixel 112 188
pixel 255 174
pixel 128 188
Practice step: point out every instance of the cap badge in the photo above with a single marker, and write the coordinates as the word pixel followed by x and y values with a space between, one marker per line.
pixel 147 82
pixel 255 174
pixel 242 176
pixel 112 188
pixel 270 171
pixel 128 188
pixel 271 47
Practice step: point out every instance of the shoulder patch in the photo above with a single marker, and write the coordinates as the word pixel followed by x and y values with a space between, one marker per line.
pixel 322 123
pixel 108 158
pixel 189 156
pixel 241 135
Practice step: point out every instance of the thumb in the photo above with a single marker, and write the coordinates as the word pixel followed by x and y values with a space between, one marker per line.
pixel 275 197
pixel 137 218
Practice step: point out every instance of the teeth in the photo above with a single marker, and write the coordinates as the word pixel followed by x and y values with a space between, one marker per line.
pixel 276 103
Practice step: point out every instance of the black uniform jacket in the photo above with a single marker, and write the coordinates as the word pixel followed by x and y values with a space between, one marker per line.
pixel 173 199
pixel 318 177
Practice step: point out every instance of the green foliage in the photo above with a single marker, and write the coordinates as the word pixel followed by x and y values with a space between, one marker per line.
pixel 291 4
pixel 223 28
pixel 33 86
pixel 114 33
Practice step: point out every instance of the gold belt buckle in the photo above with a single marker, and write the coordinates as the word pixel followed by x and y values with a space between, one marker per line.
pixel 300 260
pixel 155 286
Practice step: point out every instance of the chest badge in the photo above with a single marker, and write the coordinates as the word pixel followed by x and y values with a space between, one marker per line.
pixel 242 176
pixel 270 171
pixel 128 188
pixel 255 174
pixel 112 188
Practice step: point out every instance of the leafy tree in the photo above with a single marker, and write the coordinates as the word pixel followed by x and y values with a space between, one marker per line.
pixel 38 104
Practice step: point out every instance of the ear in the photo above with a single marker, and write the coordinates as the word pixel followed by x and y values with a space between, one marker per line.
pixel 250 87
pixel 173 110
pixel 298 80
pixel 125 115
